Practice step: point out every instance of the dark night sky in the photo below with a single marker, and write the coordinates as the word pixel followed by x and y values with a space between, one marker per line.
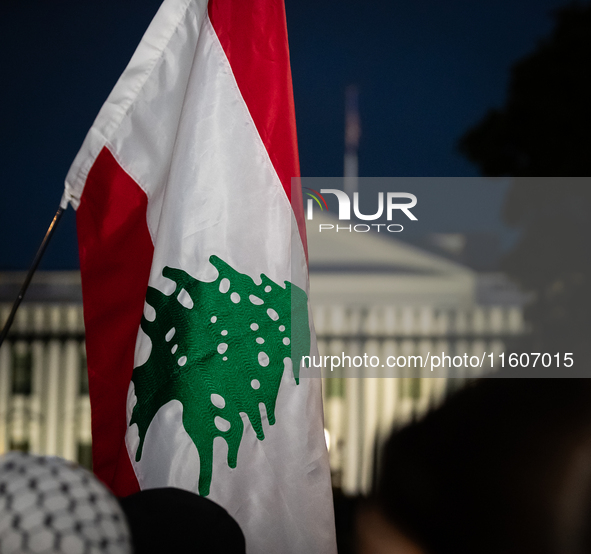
pixel 426 71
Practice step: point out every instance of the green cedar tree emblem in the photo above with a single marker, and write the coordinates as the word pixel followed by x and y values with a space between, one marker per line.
pixel 220 357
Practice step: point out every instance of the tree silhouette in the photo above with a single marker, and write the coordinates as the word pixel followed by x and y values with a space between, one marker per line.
pixel 544 130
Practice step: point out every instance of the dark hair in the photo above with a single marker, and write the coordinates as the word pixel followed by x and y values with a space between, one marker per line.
pixel 503 466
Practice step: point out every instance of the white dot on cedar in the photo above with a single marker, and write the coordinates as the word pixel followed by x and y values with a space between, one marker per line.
pixel 222 424
pixel 224 285
pixel 149 312
pixel 218 401
pixel 185 300
pixel 222 347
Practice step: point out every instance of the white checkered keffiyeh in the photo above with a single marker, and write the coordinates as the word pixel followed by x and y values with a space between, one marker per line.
pixel 51 506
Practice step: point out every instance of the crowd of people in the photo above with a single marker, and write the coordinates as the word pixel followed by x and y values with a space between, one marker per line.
pixel 502 466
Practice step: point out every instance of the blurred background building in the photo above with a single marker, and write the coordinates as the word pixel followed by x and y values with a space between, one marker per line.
pixel 385 297
pixel 44 403
pixel 370 294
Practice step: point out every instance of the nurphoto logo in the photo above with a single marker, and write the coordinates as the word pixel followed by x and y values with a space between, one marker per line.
pixel 392 203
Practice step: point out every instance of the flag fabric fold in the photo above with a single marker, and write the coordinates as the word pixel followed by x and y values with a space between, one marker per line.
pixel 194 275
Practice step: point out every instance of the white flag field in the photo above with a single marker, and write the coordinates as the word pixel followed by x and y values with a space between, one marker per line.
pixel 194 276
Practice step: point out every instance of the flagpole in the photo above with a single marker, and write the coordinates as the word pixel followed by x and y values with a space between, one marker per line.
pixel 31 272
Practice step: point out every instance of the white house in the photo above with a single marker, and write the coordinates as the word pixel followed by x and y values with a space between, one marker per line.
pixel 370 294
pixel 375 294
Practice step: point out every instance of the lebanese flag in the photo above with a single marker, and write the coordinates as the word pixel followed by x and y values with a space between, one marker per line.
pixel 194 276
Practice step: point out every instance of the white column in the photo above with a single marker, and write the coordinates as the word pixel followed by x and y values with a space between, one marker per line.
pixel 5 388
pixel 497 347
pixel 335 412
pixel 319 315
pixel 373 322
pixel 461 322
pixel 351 462
pixel 389 384
pixel 355 321
pixel 18 406
pixel 369 435
pixel 390 320
pixel 478 350
pixel 70 379
pixel 407 320
pixel 440 384
pixel 479 321
pixel 336 320
pixel 496 320
pixel 334 424
pixel 371 410
pixel 515 323
pixel 405 402
pixel 52 389
pixel 37 419
pixel 351 324
pixel 461 327
pixel 83 427
pixel 424 348
pixel 389 387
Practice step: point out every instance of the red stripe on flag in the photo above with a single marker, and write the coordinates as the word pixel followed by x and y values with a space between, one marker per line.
pixel 115 258
pixel 253 35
